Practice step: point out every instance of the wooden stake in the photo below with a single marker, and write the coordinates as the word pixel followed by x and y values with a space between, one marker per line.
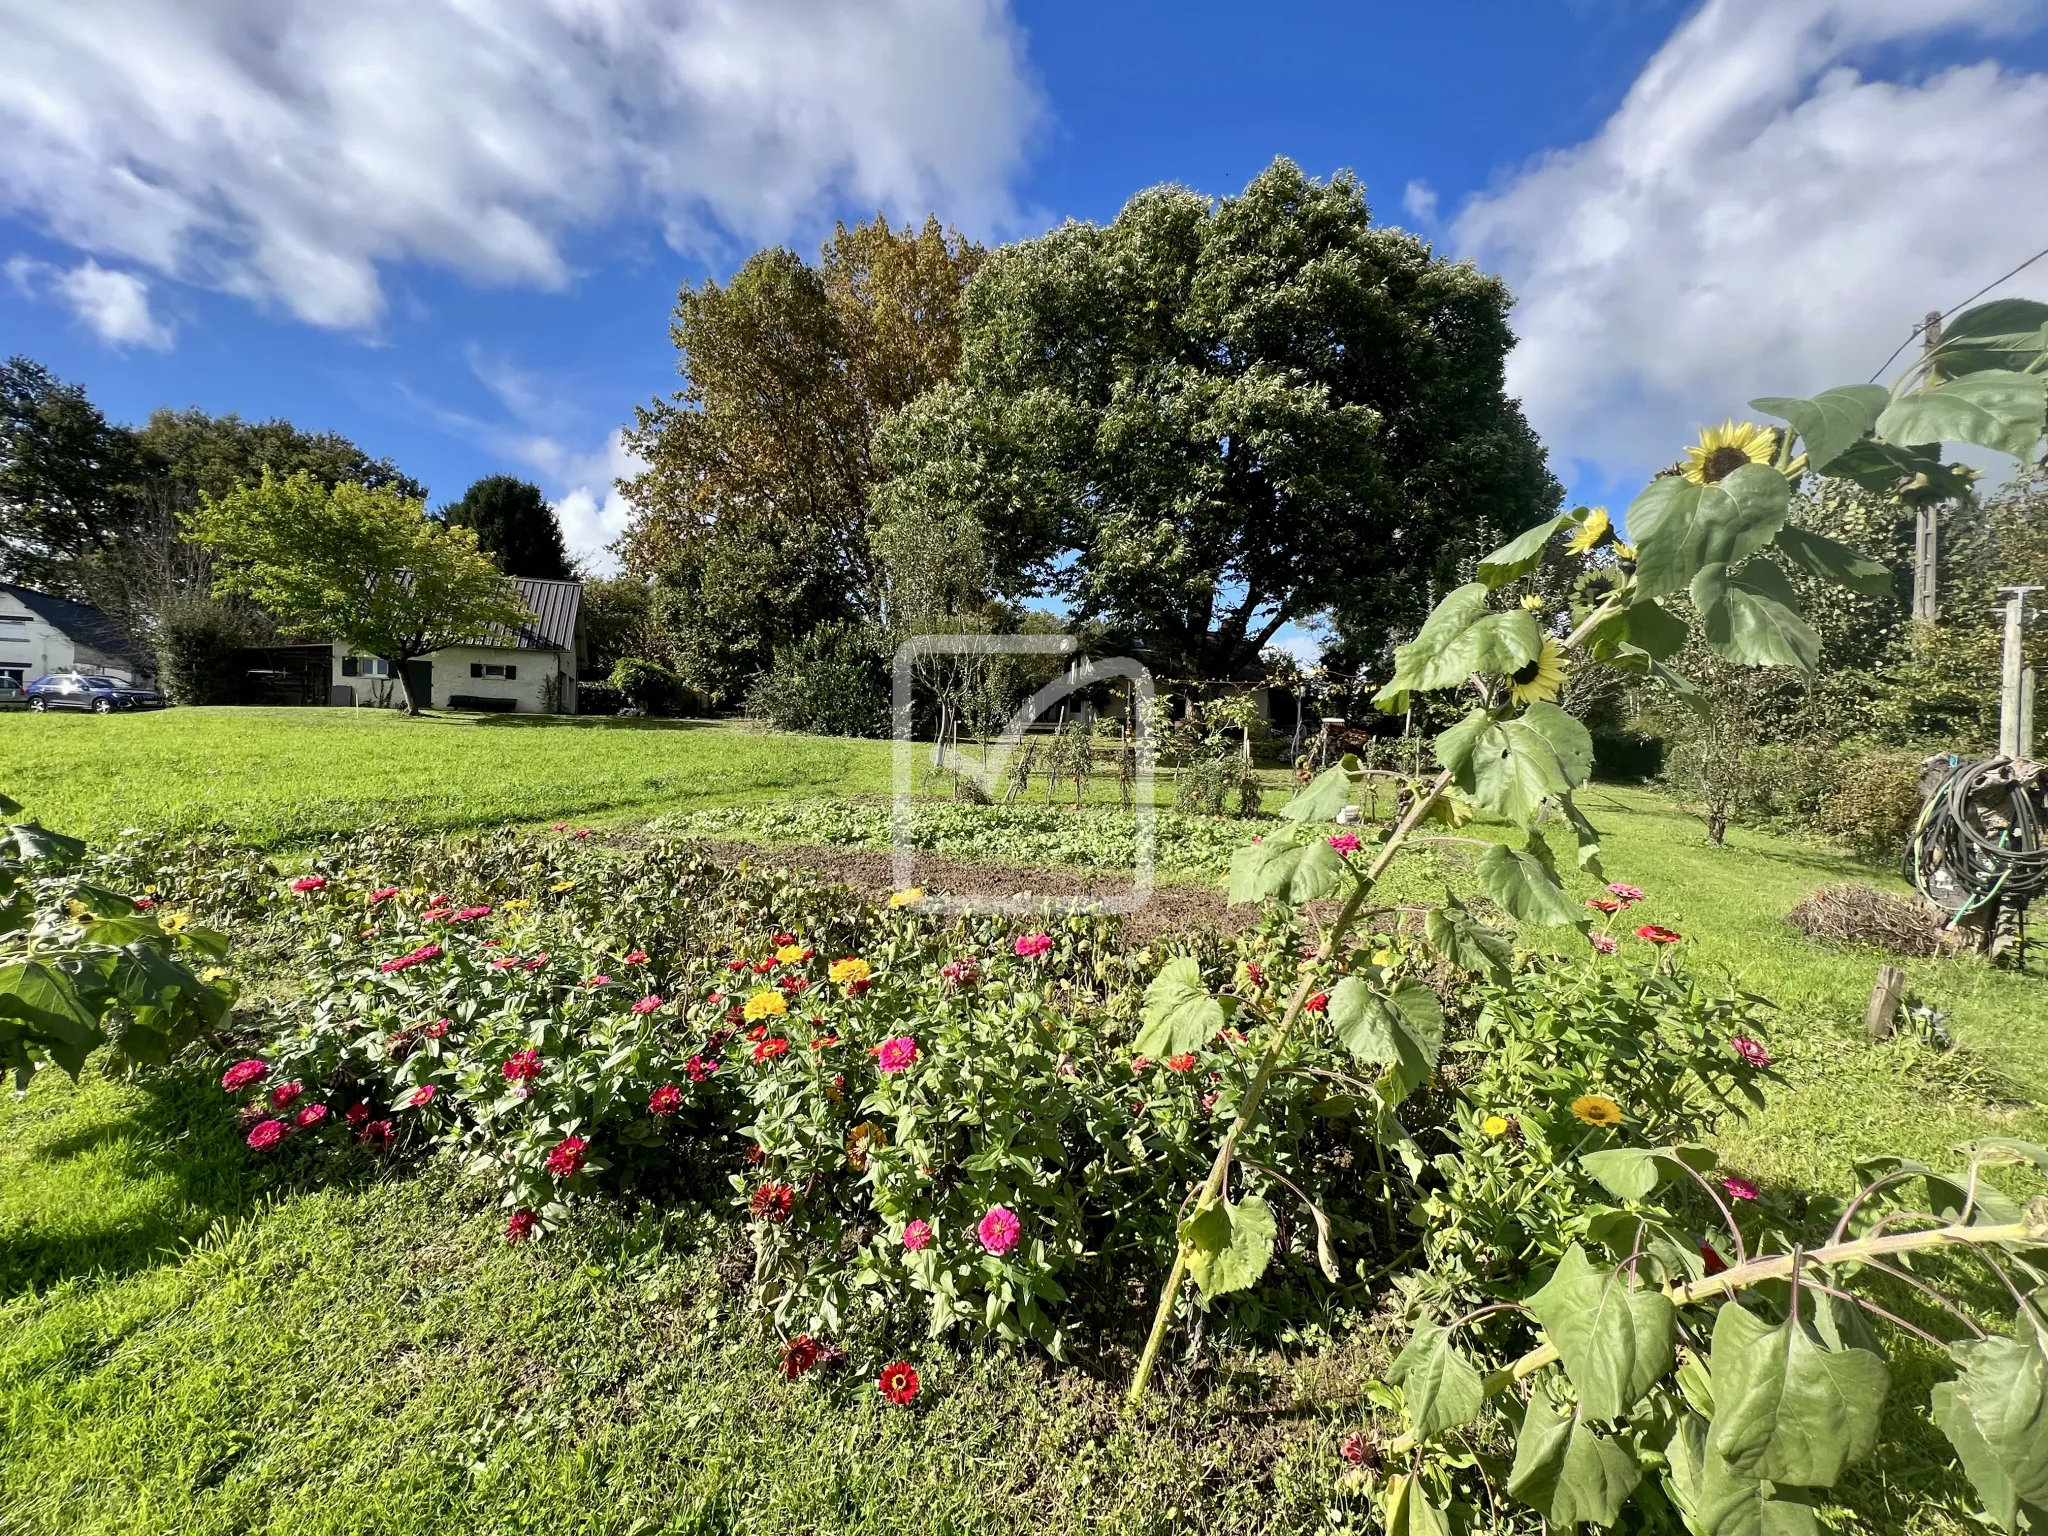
pixel 1884 1002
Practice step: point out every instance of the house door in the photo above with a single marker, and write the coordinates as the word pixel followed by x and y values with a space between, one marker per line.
pixel 419 676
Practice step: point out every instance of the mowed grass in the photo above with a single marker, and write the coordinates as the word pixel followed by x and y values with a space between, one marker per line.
pixel 278 776
pixel 194 1342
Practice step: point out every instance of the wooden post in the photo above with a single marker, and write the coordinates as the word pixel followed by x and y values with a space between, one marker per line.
pixel 1927 518
pixel 1884 1002
pixel 2012 680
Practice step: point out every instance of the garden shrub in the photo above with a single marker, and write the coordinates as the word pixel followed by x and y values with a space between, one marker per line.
pixel 598 698
pixel 198 643
pixel 832 682
pixel 650 688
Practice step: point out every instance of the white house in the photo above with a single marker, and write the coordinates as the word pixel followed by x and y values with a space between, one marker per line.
pixel 40 634
pixel 530 670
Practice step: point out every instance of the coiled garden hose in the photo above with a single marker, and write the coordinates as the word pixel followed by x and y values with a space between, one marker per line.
pixel 1961 858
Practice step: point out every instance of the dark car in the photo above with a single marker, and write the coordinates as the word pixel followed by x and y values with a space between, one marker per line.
pixel 101 695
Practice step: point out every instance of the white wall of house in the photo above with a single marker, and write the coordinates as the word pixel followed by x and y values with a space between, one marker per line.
pixel 32 647
pixel 456 676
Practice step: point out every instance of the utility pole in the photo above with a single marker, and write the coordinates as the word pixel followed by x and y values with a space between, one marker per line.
pixel 2015 694
pixel 1927 516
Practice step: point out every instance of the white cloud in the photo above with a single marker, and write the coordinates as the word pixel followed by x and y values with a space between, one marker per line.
pixel 284 149
pixel 1760 218
pixel 592 511
pixel 113 304
pixel 1418 201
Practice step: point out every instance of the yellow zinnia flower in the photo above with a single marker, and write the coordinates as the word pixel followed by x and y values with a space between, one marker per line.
pixel 850 969
pixel 909 898
pixel 1592 533
pixel 1494 1125
pixel 790 954
pixel 1724 449
pixel 1542 678
pixel 766 1005
pixel 1597 1109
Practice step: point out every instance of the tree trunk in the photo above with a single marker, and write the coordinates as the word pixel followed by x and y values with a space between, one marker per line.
pixel 412 707
pixel 1717 825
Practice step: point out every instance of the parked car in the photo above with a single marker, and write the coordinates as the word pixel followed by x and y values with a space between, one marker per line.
pixel 12 694
pixel 101 695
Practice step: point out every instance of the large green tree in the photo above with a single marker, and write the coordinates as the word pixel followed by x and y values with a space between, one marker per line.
pixel 67 479
pixel 366 566
pixel 515 526
pixel 752 513
pixel 1207 419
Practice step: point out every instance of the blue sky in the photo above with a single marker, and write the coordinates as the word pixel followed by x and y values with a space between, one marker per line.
pixel 460 247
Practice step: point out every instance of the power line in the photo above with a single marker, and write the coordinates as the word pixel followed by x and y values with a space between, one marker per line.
pixel 1914 334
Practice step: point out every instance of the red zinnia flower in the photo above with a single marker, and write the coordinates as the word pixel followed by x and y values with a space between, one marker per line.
pixel 242 1074
pixel 376 1135
pixel 648 1003
pixel 773 1202
pixel 285 1095
pixel 1741 1189
pixel 735 965
pixel 566 1160
pixel 1715 1263
pixel 309 1117
pixel 1317 1004
pixel 1185 1062
pixel 784 938
pixel 384 893
pixel 436 1030
pixel 665 1100
pixel 763 967
pixel 521 1226
pixel 357 1114
pixel 898 1383
pixel 824 1042
pixel 267 1134
pixel 768 1050
pixel 699 1068
pixel 522 1066
pixel 1656 935
pixel 422 1096
pixel 309 883
pixel 637 957
pixel 1750 1051
pixel 1254 973
pixel 144 903
pixel 470 914
pixel 799 1355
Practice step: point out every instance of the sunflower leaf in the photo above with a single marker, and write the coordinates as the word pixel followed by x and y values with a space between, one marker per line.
pixel 1994 408
pixel 1753 619
pixel 1402 1030
pixel 1588 837
pixel 1915 472
pixel 1832 420
pixel 1786 1407
pixel 1522 554
pixel 1180 1013
pixel 1325 796
pixel 2005 333
pixel 1616 1343
pixel 1834 562
pixel 1510 767
pixel 1564 1470
pixel 1679 527
pixel 1409 1512
pixel 1468 943
pixel 1462 636
pixel 1231 1244
pixel 1529 889
pixel 1443 1389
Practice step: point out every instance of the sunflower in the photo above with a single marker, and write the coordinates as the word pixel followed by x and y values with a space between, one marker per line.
pixel 1597 1109
pixel 765 1005
pixel 1532 604
pixel 1724 449
pixel 1542 678
pixel 1594 531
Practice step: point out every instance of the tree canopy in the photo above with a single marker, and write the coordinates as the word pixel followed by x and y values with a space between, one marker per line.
pixel 1207 419
pixel 753 508
pixel 348 562
pixel 66 479
pixel 515 526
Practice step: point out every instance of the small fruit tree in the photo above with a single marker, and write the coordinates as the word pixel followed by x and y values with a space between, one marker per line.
pixel 1709 548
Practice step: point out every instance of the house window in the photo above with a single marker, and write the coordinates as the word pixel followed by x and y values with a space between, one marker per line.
pixel 493 669
pixel 15 675
pixel 365 666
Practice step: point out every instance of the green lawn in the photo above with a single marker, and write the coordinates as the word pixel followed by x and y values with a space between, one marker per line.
pixel 189 1345
pixel 276 776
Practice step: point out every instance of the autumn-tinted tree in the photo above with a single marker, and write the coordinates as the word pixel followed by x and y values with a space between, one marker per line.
pixel 66 477
pixel 350 563
pixel 1206 419
pixel 515 526
pixel 753 509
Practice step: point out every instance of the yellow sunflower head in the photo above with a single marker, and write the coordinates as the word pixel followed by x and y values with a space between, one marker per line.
pixel 1625 552
pixel 1592 532
pixel 1543 678
pixel 1597 1109
pixel 766 1005
pixel 790 954
pixel 850 969
pixel 1532 604
pixel 1494 1125
pixel 1724 449
pixel 909 898
pixel 174 922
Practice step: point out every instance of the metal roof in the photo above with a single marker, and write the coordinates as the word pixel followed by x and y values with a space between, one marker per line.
pixel 555 606
pixel 83 624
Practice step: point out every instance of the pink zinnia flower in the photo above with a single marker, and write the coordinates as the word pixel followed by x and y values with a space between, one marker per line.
pixel 581 832
pixel 665 1100
pixel 285 1095
pixel 648 1003
pixel 599 980
pixel 561 826
pixel 267 1134
pixel 1603 903
pixel 470 914
pixel 1345 843
pixel 522 1066
pixel 1750 1051
pixel 566 1160
pixel 521 1226
pixel 896 1054
pixel 1606 943
pixel 144 903
pixel 1032 945
pixel 383 893
pixel 1139 1064
pixel 960 973
pixel 357 1114
pixel 422 1096
pixel 1625 892
pixel 917 1236
pixel 242 1074
pixel 436 1030
pixel 1741 1189
pixel 1655 935
pixel 537 961
pixel 505 964
pixel 376 1135
pixel 310 1116
pixel 999 1230
pixel 309 883
pixel 699 1068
